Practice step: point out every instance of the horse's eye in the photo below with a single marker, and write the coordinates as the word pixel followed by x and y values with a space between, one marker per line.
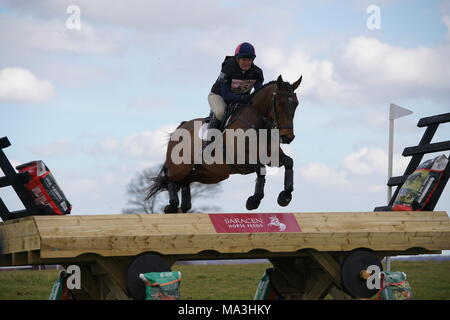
pixel 290 99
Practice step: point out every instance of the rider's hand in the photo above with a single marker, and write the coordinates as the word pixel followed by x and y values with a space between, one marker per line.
pixel 245 98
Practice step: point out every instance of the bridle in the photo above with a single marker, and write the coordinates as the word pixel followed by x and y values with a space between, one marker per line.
pixel 273 108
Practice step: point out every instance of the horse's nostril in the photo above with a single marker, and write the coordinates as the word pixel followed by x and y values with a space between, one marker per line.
pixel 286 139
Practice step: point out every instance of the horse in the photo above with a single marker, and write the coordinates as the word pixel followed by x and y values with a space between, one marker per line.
pixel 272 107
pixel 275 222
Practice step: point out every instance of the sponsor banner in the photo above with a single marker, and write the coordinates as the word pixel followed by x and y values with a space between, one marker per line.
pixel 254 222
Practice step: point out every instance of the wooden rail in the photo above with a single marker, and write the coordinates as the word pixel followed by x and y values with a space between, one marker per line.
pixel 104 245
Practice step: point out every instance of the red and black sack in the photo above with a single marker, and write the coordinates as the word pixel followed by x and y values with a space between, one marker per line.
pixel 43 188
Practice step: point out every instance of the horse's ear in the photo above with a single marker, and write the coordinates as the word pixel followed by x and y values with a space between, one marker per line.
pixel 279 82
pixel 297 83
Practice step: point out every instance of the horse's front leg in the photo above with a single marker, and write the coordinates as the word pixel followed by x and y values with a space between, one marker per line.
pixel 254 200
pixel 285 196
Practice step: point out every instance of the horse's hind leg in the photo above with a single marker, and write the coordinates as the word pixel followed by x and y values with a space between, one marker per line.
pixel 186 198
pixel 254 201
pixel 285 196
pixel 172 188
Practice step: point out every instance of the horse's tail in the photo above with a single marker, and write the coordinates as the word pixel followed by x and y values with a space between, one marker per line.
pixel 159 183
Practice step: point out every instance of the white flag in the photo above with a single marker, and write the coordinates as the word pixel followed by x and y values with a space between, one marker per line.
pixel 396 112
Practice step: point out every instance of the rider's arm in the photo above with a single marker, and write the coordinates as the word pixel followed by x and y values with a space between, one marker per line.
pixel 259 81
pixel 227 95
pixel 258 84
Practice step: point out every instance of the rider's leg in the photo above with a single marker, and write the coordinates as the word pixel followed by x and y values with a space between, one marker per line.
pixel 217 106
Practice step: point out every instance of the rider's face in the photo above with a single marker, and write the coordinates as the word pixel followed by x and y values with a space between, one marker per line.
pixel 245 63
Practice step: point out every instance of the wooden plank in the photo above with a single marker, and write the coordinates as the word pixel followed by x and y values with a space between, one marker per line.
pixel 318 284
pixel 4 142
pixel 309 223
pixel 19 235
pixel 68 237
pixel 441 118
pixel 286 266
pixel 427 148
pixel 21 244
pixel 329 265
pixel 116 269
pixel 275 242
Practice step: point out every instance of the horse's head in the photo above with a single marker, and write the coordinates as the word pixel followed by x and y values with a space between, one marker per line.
pixel 283 105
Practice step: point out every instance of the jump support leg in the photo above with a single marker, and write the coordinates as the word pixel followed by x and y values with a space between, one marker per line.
pixel 106 278
pixel 309 277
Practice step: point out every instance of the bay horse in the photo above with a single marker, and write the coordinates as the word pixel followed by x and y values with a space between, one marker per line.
pixel 271 107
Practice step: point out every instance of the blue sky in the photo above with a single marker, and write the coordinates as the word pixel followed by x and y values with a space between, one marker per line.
pixel 96 104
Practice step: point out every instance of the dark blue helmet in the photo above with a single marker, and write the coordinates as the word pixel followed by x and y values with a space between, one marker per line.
pixel 245 50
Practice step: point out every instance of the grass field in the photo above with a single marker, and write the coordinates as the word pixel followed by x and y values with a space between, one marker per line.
pixel 430 280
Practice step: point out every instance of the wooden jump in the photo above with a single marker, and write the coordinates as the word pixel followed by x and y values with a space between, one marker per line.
pixel 307 263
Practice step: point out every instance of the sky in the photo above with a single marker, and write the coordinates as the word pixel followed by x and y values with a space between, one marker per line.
pixel 93 88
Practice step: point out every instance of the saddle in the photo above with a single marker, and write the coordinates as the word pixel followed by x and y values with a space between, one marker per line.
pixel 230 111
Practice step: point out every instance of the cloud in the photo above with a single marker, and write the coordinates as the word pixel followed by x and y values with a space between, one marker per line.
pixel 148 146
pixel 361 168
pixel 323 175
pixel 153 16
pixel 23 32
pixel 364 69
pixel 320 77
pixel 54 149
pixel 378 69
pixel 21 85
pixel 367 161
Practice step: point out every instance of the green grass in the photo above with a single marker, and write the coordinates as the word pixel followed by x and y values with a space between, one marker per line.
pixel 26 284
pixel 430 280
pixel 220 282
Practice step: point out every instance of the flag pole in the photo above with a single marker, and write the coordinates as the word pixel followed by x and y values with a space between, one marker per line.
pixel 395 112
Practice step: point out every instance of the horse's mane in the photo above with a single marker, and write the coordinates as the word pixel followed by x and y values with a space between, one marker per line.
pixel 262 87
pixel 286 85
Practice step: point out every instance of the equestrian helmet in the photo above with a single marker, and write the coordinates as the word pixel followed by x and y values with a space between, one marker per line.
pixel 245 50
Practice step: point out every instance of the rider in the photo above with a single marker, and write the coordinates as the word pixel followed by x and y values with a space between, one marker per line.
pixel 237 78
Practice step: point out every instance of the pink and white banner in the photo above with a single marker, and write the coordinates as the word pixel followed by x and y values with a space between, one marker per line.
pixel 254 222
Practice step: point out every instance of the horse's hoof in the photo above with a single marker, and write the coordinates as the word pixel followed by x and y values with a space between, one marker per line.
pixel 253 202
pixel 185 209
pixel 284 198
pixel 170 209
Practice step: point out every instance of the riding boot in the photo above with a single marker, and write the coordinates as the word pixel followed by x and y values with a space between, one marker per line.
pixel 214 123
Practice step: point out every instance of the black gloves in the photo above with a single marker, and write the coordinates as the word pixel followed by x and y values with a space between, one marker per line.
pixel 245 98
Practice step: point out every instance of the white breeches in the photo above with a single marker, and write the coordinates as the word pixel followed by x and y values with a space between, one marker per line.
pixel 217 105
